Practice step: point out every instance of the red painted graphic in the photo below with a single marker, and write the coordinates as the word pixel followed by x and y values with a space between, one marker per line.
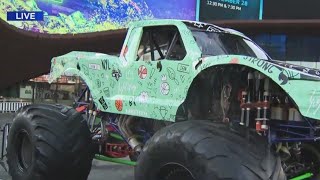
pixel 125 50
pixel 142 72
pixel 119 104
pixel 234 61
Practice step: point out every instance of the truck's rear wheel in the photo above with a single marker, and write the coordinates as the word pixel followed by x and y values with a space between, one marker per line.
pixel 202 150
pixel 49 142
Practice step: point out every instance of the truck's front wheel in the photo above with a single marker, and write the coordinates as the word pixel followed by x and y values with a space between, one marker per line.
pixel 202 150
pixel 49 142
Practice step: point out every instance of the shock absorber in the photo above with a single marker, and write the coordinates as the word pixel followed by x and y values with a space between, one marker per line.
pixel 260 87
pixel 243 100
pixel 258 119
pixel 266 111
pixel 246 98
pixel 260 123
pixel 251 87
pixel 251 92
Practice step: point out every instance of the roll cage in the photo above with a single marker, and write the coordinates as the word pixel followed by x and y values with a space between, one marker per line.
pixel 151 43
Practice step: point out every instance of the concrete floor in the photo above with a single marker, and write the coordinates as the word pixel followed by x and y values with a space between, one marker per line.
pixel 100 170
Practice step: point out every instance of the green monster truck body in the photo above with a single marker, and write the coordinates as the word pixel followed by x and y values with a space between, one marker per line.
pixel 184 100
pixel 156 89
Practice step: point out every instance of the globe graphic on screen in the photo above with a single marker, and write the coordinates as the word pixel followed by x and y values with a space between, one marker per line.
pixel 83 16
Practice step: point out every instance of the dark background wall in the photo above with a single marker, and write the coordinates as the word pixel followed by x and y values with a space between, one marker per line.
pixel 291 9
pixel 286 46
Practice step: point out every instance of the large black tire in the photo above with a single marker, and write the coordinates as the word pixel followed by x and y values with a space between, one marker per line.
pixel 49 142
pixel 310 152
pixel 202 150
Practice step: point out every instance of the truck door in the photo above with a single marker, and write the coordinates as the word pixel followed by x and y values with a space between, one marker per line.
pixel 160 68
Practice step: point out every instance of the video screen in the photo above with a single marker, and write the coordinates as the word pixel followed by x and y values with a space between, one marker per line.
pixel 80 16
pixel 230 9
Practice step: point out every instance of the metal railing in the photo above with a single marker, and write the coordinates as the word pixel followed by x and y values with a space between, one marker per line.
pixel 12 106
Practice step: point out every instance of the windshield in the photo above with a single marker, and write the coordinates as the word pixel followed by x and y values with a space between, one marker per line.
pixel 216 43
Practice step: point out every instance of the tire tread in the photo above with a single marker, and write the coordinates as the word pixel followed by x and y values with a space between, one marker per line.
pixel 216 145
pixel 61 140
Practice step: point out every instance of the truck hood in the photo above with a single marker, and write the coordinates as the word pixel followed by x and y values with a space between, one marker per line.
pixel 77 55
pixel 67 64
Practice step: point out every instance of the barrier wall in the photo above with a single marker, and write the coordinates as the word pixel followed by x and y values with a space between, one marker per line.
pixel 11 106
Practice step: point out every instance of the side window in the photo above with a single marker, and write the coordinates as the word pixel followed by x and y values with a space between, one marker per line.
pixel 158 43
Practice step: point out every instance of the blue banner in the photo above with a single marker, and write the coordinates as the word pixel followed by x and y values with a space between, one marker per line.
pixel 25 16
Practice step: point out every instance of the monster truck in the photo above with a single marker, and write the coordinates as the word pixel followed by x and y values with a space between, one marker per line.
pixel 183 100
